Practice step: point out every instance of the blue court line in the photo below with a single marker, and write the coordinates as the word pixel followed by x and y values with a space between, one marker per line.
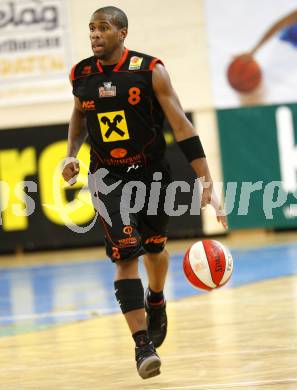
pixel 43 295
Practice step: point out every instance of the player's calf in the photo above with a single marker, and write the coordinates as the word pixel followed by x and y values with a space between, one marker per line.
pixel 130 295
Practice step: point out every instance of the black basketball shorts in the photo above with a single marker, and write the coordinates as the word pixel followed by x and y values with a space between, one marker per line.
pixel 130 207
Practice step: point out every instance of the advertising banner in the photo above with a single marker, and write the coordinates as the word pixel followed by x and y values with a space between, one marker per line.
pixel 253 56
pixel 35 204
pixel 265 31
pixel 35 51
pixel 259 151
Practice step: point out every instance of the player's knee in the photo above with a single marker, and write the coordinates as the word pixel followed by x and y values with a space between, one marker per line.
pixel 129 294
pixel 127 269
pixel 160 257
pixel 124 253
pixel 155 244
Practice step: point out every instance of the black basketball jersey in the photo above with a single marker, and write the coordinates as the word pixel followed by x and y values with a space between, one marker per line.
pixel 124 118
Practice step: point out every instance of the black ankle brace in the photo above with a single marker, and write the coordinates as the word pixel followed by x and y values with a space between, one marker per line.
pixel 155 297
pixel 141 338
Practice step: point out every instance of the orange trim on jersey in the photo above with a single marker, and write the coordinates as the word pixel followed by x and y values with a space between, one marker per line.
pixel 99 66
pixel 98 155
pixel 72 76
pixel 122 60
pixel 145 146
pixel 85 75
pixel 154 62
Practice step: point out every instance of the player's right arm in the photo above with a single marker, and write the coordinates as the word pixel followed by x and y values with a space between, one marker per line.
pixel 77 133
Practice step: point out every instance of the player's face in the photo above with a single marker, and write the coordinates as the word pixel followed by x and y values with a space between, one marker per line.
pixel 105 36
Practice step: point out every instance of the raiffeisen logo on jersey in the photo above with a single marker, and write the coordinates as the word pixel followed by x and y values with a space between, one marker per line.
pixel 135 63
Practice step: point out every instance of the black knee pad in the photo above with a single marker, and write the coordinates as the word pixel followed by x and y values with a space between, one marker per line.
pixel 129 294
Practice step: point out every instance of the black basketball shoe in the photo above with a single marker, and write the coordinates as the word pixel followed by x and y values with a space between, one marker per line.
pixel 147 361
pixel 156 319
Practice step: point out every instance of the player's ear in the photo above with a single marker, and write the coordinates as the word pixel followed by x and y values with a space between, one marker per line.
pixel 123 33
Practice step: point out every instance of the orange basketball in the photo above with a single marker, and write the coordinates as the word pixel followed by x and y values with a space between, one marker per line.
pixel 244 74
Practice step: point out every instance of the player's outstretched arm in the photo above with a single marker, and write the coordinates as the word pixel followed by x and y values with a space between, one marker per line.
pixel 77 133
pixel 280 24
pixel 186 136
pixel 285 21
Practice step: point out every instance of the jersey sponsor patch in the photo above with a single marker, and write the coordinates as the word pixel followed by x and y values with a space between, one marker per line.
pixel 127 242
pixel 135 63
pixel 128 230
pixel 86 70
pixel 118 152
pixel 113 126
pixel 120 162
pixel 108 90
pixel 88 105
pixel 156 240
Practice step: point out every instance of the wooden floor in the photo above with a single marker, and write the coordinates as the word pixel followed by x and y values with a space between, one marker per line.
pixel 241 338
pixel 238 338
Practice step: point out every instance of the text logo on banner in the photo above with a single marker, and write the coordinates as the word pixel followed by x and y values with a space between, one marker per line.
pixel 34 49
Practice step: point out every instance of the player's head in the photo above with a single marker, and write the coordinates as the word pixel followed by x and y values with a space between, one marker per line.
pixel 108 30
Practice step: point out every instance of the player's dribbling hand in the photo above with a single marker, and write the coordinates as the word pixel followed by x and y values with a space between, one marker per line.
pixel 209 197
pixel 247 56
pixel 221 218
pixel 70 171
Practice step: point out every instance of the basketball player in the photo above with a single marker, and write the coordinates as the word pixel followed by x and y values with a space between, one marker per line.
pixel 122 96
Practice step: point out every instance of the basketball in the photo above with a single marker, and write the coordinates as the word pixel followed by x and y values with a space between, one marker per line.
pixel 244 74
pixel 208 265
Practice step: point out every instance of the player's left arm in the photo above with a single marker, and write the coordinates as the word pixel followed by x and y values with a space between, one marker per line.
pixel 183 130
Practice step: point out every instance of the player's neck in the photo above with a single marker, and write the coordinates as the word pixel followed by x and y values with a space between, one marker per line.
pixel 114 57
